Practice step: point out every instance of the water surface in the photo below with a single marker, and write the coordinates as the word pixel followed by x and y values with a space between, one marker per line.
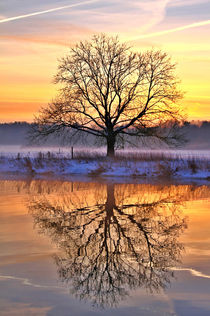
pixel 104 249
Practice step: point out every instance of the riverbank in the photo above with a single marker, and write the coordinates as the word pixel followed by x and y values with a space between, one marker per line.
pixel 144 166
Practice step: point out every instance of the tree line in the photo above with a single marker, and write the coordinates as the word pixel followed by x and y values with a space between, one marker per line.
pixel 15 133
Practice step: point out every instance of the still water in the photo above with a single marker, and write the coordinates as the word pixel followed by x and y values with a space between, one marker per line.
pixel 75 248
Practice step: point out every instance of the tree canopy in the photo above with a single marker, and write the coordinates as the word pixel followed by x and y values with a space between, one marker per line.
pixel 111 92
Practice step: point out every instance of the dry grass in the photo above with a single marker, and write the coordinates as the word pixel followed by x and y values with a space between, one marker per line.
pixel 167 164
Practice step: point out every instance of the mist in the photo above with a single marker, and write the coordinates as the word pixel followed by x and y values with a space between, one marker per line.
pixel 16 133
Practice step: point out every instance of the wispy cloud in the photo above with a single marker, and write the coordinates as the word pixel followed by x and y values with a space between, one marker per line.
pixel 121 16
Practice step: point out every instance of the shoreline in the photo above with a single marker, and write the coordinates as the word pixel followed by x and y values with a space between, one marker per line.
pixel 126 170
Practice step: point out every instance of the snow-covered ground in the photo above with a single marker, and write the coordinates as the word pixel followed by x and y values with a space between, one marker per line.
pixel 131 163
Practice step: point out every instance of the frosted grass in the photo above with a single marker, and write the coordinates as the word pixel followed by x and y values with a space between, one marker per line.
pixel 95 152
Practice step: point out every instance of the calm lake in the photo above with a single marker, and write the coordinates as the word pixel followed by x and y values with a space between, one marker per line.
pixel 88 248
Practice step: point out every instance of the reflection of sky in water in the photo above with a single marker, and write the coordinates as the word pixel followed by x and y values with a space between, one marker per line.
pixel 28 282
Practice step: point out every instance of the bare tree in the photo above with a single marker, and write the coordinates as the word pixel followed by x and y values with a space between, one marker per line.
pixel 113 93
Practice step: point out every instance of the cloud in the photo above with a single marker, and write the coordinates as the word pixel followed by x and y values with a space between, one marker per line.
pixel 110 14
pixel 59 34
pixel 121 16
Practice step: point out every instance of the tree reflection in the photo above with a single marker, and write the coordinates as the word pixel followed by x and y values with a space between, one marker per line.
pixel 114 246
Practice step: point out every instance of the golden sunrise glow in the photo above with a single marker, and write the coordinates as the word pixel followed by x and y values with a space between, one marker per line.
pixel 32 43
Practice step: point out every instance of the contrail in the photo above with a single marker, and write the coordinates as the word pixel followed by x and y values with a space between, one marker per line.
pixel 46 11
pixel 180 28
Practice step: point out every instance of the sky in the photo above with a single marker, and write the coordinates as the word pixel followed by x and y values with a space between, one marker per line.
pixel 35 34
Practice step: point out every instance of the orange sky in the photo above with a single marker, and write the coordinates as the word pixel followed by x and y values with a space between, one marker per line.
pixel 30 46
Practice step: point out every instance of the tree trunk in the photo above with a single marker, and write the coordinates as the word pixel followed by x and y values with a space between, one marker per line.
pixel 110 146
